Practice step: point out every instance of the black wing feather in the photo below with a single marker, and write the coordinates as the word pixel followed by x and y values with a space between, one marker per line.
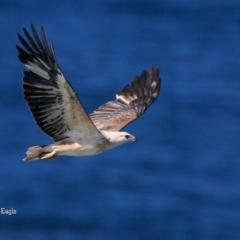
pixel 51 99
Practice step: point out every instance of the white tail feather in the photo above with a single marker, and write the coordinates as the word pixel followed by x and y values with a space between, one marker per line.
pixel 33 153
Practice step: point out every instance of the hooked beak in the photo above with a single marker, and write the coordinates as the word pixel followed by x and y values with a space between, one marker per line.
pixel 134 139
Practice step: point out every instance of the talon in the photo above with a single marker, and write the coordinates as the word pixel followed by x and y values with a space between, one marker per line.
pixel 48 156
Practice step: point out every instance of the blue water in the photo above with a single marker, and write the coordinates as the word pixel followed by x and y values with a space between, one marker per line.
pixel 182 179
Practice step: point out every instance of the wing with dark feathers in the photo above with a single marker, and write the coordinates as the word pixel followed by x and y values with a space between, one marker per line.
pixel 130 103
pixel 51 99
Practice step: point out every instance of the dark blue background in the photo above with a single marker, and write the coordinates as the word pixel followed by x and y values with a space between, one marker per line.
pixel 181 180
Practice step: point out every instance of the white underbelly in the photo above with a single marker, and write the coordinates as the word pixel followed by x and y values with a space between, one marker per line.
pixel 86 152
pixel 77 148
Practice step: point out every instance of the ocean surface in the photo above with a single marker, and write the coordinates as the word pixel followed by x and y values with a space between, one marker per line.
pixel 182 179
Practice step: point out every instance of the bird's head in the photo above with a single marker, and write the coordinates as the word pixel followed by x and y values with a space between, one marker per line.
pixel 119 138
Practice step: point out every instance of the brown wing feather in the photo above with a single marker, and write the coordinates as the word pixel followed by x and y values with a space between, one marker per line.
pixel 130 104
pixel 52 101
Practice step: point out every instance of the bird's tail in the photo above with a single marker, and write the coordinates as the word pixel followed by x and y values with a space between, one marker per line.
pixel 33 153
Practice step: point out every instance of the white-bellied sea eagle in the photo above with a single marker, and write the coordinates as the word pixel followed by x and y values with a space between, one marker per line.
pixel 59 113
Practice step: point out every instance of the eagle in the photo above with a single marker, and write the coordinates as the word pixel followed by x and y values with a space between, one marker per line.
pixel 59 113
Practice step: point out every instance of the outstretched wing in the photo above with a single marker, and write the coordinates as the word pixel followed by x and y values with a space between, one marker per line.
pixel 130 103
pixel 52 101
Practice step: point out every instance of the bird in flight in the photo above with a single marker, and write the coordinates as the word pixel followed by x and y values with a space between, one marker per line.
pixel 59 113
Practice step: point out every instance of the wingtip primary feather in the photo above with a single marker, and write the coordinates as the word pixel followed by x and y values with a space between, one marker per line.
pixel 148 84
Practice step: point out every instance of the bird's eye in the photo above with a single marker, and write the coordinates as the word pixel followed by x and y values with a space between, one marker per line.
pixel 127 136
